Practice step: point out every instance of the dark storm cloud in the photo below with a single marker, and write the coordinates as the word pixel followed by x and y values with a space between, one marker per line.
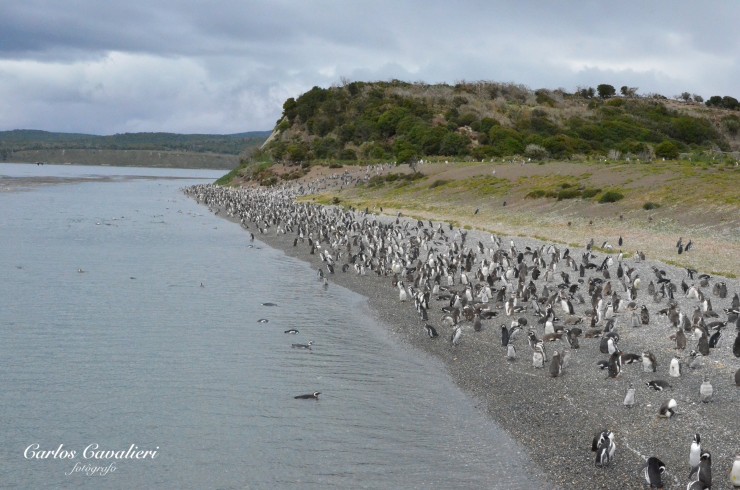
pixel 227 66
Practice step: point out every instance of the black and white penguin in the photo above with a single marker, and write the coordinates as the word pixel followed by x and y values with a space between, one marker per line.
pixel 680 339
pixel 263 320
pixel 629 398
pixel 615 364
pixel 504 336
pixel 705 469
pixel 604 446
pixel 658 385
pixel 653 472
pixel 644 315
pixel 456 336
pixel 694 455
pixel 675 368
pixel 310 396
pixel 667 408
pixel 292 330
pixel 510 352
pixel 303 346
pixel 737 377
pixel 703 345
pixel 431 331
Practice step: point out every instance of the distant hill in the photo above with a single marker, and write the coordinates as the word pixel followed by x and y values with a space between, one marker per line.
pixel 381 121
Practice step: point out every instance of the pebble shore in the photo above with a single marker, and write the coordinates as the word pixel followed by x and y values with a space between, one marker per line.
pixel 555 418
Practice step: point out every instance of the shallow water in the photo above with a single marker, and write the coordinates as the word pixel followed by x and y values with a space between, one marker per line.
pixel 108 338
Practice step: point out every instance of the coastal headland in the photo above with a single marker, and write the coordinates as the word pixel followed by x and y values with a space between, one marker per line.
pixel 554 418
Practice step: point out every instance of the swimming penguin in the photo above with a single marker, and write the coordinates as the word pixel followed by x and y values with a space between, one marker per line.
pixel 269 304
pixel 694 455
pixel 292 330
pixel 303 346
pixel 653 472
pixel 667 408
pixel 510 352
pixel 431 331
pixel 456 336
pixel 706 390
pixel 675 368
pixel 658 385
pixel 629 399
pixel 649 363
pixel 310 396
pixel 556 366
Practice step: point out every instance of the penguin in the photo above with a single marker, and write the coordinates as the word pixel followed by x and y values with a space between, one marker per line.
pixel 292 330
pixel 615 365
pixel 303 346
pixel 706 390
pixel 431 331
pixel 604 446
pixel 510 352
pixel 456 336
pixel 736 346
pixel 680 339
pixel 735 472
pixel 658 385
pixel 703 345
pixel 653 472
pixel 504 336
pixel 675 368
pixel 714 339
pixel 694 454
pixel 556 366
pixel 696 360
pixel 649 363
pixel 644 315
pixel 705 469
pixel 538 357
pixel 263 320
pixel 667 408
pixel 737 377
pixel 477 325
pixel 629 399
pixel 310 396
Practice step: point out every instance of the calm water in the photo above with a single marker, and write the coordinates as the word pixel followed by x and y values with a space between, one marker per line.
pixel 132 350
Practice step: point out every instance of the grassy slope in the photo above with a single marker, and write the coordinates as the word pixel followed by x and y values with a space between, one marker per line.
pixel 698 202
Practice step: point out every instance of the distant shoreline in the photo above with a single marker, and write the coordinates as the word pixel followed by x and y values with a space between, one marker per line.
pixel 128 158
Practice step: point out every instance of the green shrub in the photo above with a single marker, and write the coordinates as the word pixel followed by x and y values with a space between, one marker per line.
pixel 589 192
pixel 568 194
pixel 537 193
pixel 650 205
pixel 335 165
pixel 667 149
pixel 611 196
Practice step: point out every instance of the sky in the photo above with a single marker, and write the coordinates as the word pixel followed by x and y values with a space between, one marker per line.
pixel 222 67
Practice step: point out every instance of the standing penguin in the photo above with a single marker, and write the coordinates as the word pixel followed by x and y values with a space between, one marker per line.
pixel 644 315
pixel 556 365
pixel 629 399
pixel 705 470
pixel 604 446
pixel 504 336
pixel 706 390
pixel 431 331
pixel 614 365
pixel 653 472
pixel 477 325
pixel 695 454
pixel 735 472
pixel 680 339
pixel 736 346
pixel 675 368
pixel 510 352
pixel 703 345
pixel 649 363
pixel 456 336
pixel 538 356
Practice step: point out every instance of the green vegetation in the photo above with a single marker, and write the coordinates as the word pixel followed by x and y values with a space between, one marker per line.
pixel 611 196
pixel 405 122
pixel 650 205
pixel 231 144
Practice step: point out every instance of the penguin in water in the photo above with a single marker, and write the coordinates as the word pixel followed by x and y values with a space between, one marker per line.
pixel 649 363
pixel 667 409
pixel 303 346
pixel 263 320
pixel 431 331
pixel 694 455
pixel 629 398
pixel 310 396
pixel 706 390
pixel 653 472
pixel 292 330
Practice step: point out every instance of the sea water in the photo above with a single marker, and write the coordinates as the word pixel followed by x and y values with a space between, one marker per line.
pixel 132 355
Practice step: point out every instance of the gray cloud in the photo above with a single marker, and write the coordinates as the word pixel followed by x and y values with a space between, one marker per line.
pixel 225 66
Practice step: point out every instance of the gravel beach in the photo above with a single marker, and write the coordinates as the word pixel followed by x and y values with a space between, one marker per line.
pixel 553 418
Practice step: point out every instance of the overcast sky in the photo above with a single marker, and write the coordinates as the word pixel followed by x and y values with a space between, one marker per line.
pixel 191 66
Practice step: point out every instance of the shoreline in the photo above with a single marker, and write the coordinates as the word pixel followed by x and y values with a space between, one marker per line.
pixel 554 419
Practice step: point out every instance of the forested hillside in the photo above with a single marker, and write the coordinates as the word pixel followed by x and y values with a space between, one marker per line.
pixel 409 121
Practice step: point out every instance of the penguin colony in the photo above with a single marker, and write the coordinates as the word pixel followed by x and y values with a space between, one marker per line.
pixel 536 308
